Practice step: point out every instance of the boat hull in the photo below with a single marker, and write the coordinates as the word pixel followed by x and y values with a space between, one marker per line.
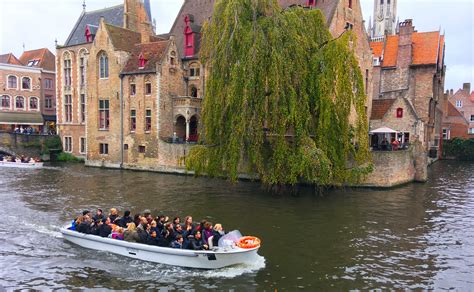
pixel 164 255
pixel 35 165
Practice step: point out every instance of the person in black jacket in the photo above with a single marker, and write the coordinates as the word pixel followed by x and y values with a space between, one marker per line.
pixel 196 242
pixel 105 229
pixel 142 231
pixel 122 222
pixel 85 225
pixel 99 216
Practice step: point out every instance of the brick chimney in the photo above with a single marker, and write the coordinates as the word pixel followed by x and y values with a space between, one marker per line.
pixel 466 87
pixel 404 58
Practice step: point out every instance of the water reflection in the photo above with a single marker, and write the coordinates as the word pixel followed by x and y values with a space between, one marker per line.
pixel 417 236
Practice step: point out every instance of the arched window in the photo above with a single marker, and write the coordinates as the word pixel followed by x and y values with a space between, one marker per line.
pixel 26 83
pixel 104 65
pixel 20 102
pixel 173 58
pixel 82 66
pixel 67 69
pixel 194 91
pixel 33 103
pixel 5 102
pixel 12 82
pixel 133 86
pixel 141 61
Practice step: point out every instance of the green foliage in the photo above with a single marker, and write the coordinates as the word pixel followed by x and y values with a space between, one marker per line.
pixel 279 97
pixel 67 157
pixel 459 148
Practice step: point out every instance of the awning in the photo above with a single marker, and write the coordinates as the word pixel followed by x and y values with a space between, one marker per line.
pixel 21 118
pixel 383 130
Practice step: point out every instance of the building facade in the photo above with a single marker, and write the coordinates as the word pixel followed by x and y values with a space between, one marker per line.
pixel 27 91
pixel 410 66
pixel 461 107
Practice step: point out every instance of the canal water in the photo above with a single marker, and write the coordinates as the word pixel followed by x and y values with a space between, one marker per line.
pixel 416 236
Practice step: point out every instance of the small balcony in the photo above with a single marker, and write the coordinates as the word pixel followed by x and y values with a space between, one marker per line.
pixel 187 101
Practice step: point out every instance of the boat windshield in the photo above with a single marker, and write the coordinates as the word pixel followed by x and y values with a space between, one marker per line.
pixel 230 238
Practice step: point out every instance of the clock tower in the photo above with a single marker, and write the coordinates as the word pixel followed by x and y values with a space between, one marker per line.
pixel 385 12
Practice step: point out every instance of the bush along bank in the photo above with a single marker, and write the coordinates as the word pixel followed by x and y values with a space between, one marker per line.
pixel 461 149
pixel 68 157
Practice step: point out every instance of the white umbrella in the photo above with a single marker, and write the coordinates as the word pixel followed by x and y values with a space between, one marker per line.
pixel 383 130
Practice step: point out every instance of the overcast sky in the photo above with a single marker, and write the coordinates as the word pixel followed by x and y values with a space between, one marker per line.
pixel 37 23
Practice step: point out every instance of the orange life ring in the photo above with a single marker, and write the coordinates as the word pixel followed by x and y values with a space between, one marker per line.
pixel 248 242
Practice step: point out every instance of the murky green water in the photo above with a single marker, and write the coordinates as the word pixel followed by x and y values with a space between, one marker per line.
pixel 417 236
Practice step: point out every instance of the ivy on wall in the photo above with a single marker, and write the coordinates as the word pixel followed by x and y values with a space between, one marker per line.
pixel 279 97
pixel 462 149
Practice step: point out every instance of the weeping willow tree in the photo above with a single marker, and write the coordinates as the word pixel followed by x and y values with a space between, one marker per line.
pixel 279 96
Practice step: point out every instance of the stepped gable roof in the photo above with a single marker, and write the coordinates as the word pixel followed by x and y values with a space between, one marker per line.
pixel 377 48
pixel 112 15
pixel 123 39
pixel 380 108
pixel 202 10
pixel 153 54
pixel 45 58
pixel 10 59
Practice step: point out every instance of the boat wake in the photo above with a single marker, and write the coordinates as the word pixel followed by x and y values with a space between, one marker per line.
pixel 235 271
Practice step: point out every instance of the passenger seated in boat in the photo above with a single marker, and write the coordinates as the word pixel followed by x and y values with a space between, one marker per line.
pixel 143 233
pixel 176 221
pixel 113 215
pixel 207 232
pixel 147 215
pixel 99 215
pixel 178 242
pixel 154 227
pixel 188 225
pixel 85 225
pixel 32 160
pixel 105 229
pixel 131 234
pixel 196 242
pixel 160 223
pixel 169 233
pixel 117 233
pixel 136 219
pixel 122 222
pixel 218 232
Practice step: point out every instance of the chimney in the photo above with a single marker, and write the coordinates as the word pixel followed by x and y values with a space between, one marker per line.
pixel 406 31
pixel 451 92
pixel 466 87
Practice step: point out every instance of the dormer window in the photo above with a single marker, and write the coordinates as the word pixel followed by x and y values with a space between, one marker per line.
pixel 141 61
pixel 191 32
pixel 90 33
pixel 32 63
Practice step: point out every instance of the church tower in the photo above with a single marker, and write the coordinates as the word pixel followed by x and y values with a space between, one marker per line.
pixel 385 23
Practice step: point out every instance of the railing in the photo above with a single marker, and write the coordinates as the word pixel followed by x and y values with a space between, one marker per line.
pixel 187 101
pixel 389 147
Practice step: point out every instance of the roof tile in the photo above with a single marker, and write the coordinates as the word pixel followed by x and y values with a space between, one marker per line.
pixel 152 52
pixel 380 108
pixel 377 48
pixel 10 59
pixel 425 48
pixel 391 51
pixel 44 56
pixel 123 39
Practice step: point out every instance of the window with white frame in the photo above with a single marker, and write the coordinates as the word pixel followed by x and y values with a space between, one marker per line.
pixel 83 108
pixel 147 88
pixel 446 134
pixel 471 131
pixel 67 144
pixel 103 148
pixel 458 103
pixel 82 149
pixel 5 102
pixel 26 83
pixel 48 102
pixel 148 120
pixel 194 70
pixel 133 120
pixel 104 121
pixel 82 71
pixel 34 103
pixel 472 118
pixel 12 82
pixel 20 103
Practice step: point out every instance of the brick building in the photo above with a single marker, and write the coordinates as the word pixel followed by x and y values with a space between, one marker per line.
pixel 27 91
pixel 409 66
pixel 459 120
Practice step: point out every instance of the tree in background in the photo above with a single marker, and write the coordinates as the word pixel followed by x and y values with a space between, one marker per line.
pixel 279 97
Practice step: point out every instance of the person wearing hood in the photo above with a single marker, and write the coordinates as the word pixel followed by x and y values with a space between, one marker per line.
pixel 122 222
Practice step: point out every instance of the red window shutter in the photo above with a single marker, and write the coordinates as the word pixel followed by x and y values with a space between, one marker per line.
pixel 399 112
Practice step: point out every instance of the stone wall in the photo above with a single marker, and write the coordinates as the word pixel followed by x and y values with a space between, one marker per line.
pixel 20 144
pixel 392 168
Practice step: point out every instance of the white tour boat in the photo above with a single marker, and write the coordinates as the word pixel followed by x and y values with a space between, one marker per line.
pixel 33 165
pixel 216 258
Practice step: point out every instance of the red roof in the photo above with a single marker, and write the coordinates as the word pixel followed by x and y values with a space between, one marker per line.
pixel 391 51
pixel 453 111
pixel 9 59
pixel 45 58
pixel 425 48
pixel 377 48
pixel 152 52
pixel 380 108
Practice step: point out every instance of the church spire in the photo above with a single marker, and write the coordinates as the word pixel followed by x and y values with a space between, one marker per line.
pixel 385 12
pixel 84 5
